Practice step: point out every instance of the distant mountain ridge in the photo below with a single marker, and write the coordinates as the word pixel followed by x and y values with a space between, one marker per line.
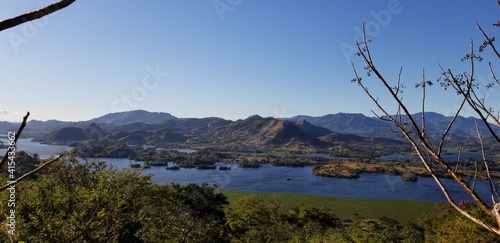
pixel 157 127
pixel 361 125
pixel 126 117
pixel 253 133
pixel 356 123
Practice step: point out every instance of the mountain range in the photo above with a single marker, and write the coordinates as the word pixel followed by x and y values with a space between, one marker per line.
pixel 298 133
pixel 436 124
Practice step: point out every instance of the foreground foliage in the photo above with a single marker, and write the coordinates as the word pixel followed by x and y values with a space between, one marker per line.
pixel 256 219
pixel 93 202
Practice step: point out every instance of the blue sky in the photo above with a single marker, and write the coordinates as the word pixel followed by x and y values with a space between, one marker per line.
pixel 271 58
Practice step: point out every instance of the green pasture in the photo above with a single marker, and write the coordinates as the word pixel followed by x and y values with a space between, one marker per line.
pixel 346 208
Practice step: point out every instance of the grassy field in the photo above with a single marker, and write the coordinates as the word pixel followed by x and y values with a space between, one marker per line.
pixel 345 208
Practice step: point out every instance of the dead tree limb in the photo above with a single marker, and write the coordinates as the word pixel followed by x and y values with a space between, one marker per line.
pixel 23 177
pixel 30 16
pixel 18 133
pixel 5 157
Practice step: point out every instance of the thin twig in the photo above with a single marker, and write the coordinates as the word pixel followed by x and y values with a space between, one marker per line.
pixel 398 83
pixel 458 158
pixel 423 103
pixel 474 177
pixel 493 188
pixel 493 74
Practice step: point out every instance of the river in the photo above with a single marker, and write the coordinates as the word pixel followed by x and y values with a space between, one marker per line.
pixel 270 178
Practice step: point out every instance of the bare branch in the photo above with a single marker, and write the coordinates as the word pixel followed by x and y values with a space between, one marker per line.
pixel 477 104
pixel 398 84
pixel 488 40
pixel 447 130
pixel 493 74
pixel 371 66
pixel 30 173
pixel 30 16
pixel 493 188
pixel 18 133
pixel 463 84
pixel 423 103
pixel 459 157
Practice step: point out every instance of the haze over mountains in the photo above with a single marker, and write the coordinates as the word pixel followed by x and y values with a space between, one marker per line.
pixel 359 124
pixel 298 132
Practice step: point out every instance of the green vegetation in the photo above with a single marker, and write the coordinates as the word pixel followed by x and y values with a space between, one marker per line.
pixel 94 202
pixel 409 176
pixel 253 218
pixel 345 208
pixel 408 170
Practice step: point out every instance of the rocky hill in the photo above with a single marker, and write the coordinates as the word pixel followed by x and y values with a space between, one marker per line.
pixel 257 132
pixel 127 117
pixel 253 133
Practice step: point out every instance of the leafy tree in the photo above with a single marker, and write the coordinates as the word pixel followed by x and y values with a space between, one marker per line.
pixel 412 233
pixel 310 221
pixel 188 213
pixel 94 202
pixel 446 225
pixel 82 203
pixel 24 163
pixel 254 219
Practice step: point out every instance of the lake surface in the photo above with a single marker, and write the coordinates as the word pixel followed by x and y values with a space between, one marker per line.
pixel 43 150
pixel 448 156
pixel 270 178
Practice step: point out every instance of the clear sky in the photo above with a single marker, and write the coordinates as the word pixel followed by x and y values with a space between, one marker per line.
pixel 229 58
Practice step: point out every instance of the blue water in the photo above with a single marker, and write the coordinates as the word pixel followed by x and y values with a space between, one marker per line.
pixel 270 178
pixel 452 157
pixel 44 151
